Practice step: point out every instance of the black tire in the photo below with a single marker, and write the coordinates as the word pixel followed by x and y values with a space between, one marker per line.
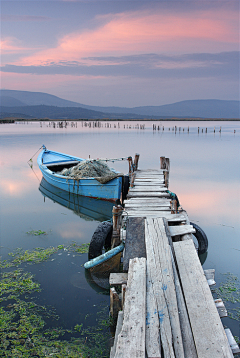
pixel 125 187
pixel 201 239
pixel 101 238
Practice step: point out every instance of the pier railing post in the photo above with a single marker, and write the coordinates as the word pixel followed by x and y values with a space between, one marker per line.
pixel 136 161
pixel 165 165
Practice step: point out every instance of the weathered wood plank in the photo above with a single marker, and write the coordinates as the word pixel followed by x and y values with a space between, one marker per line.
pixel 153 271
pixel 118 278
pixel 210 273
pixel 144 204
pixel 153 346
pixel 147 188
pixel 169 217
pixel 181 230
pixel 187 336
pixel 131 339
pixel 154 212
pixel 147 200
pixel 221 308
pixel 233 344
pixel 135 240
pixel 147 208
pixel 162 251
pixel 118 330
pixel 209 336
pixel 157 194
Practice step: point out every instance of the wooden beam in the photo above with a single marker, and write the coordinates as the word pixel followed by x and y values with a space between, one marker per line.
pixel 181 230
pixel 117 278
pixel 209 336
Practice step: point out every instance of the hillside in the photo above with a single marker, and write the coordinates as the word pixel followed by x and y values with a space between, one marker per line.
pixel 41 105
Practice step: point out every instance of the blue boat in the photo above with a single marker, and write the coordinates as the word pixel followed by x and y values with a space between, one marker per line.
pixel 52 163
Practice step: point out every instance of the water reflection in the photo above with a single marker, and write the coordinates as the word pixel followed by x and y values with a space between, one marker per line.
pixel 86 208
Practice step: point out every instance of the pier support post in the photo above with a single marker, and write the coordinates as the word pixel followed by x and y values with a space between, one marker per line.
pixel 115 306
pixel 117 216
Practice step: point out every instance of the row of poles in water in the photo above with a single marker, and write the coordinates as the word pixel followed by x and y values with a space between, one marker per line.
pixel 98 124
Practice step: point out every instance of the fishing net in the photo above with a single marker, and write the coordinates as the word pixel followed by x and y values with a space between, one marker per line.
pixel 90 169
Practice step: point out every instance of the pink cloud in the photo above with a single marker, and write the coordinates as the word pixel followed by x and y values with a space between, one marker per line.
pixel 141 32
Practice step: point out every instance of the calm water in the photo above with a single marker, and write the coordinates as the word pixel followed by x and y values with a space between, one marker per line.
pixel 204 173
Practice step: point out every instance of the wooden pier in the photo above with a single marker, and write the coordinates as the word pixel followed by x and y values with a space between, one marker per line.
pixel 166 308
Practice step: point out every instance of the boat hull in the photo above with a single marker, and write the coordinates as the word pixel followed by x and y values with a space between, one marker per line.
pixel 88 187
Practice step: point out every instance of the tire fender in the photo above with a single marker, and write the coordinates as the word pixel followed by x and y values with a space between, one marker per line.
pixel 201 238
pixel 101 238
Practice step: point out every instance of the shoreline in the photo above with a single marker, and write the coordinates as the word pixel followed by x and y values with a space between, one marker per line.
pixel 13 120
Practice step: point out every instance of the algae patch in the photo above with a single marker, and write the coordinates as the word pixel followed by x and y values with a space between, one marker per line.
pixel 229 292
pixel 28 329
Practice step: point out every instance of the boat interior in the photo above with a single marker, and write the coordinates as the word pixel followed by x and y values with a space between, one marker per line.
pixel 57 167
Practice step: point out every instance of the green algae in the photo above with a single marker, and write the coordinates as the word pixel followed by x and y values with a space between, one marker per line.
pixel 229 292
pixel 39 254
pixel 37 232
pixel 24 325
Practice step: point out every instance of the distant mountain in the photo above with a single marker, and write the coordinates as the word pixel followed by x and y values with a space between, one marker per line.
pixel 50 112
pixel 10 102
pixel 40 105
pixel 38 98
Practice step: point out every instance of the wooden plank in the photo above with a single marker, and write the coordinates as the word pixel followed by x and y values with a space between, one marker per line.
pixel 144 194
pixel 187 336
pixel 154 212
pixel 138 200
pixel 154 268
pixel 146 204
pixel 209 274
pixel 153 346
pixel 209 336
pixel 135 240
pixel 221 308
pixel 181 230
pixel 162 252
pixel 131 339
pixel 169 217
pixel 117 278
pixel 233 344
pixel 118 330
pixel 147 208
pixel 147 189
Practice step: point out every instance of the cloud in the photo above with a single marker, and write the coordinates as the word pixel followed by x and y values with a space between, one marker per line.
pixel 137 32
pixel 220 65
pixel 11 45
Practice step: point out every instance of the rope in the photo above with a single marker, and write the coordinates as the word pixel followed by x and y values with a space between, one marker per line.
pixel 113 159
pixel 30 160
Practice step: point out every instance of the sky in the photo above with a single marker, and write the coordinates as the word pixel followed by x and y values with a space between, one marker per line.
pixel 122 53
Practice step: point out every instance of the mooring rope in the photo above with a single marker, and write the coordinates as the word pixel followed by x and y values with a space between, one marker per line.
pixel 113 159
pixel 30 160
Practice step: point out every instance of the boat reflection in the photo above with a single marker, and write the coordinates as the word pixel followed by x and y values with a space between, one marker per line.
pixel 86 208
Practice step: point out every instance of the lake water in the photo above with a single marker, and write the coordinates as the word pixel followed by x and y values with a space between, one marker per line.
pixel 204 173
